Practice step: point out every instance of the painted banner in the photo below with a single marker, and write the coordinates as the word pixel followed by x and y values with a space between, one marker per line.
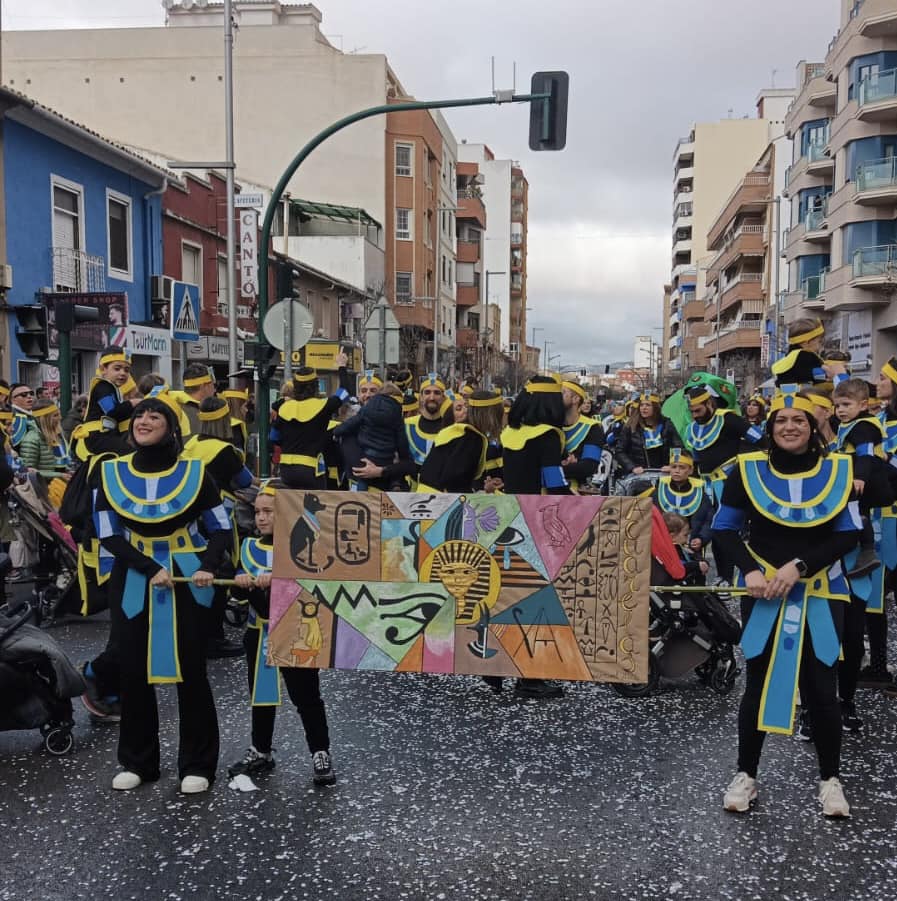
pixel 544 587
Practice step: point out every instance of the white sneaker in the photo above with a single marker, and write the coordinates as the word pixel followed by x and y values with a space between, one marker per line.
pixel 831 797
pixel 741 791
pixel 194 785
pixel 125 781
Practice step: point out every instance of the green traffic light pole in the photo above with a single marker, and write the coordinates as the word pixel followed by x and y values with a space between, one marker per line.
pixel 263 407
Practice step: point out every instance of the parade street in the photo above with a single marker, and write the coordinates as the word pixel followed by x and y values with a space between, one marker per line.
pixel 447 791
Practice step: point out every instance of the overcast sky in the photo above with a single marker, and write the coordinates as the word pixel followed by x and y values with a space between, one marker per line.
pixel 641 74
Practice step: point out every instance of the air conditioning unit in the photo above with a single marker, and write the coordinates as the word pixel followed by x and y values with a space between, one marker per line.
pixel 161 287
pixel 5 277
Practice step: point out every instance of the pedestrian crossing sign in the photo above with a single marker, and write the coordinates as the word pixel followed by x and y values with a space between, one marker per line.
pixel 185 312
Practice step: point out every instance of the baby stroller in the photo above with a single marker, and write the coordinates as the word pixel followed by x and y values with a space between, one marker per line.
pixel 603 480
pixel 37 681
pixel 55 589
pixel 687 631
pixel 633 485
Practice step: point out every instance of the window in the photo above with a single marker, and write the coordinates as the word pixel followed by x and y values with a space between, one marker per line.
pixel 404 288
pixel 191 265
pixel 404 156
pixel 403 224
pixel 221 304
pixel 449 272
pixel 120 248
pixel 69 265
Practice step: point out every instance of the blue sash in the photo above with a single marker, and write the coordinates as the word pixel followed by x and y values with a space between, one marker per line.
pixel 257 558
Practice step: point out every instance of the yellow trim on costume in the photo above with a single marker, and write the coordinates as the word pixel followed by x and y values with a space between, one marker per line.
pixel 807 336
pixel 542 388
pixel 199 380
pixel 212 415
pixel 117 356
pixel 129 387
pixel 576 388
pixel 156 475
pixel 301 410
pixel 235 394
pixel 6 415
pixel 300 460
pixel 45 411
pixel 516 439
pixel 488 402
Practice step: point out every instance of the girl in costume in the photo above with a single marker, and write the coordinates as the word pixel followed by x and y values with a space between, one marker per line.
pixel 755 411
pixel 149 509
pixel 681 494
pixel 647 439
pixel 303 686
pixel 796 502
pixel 457 460
pixel 44 447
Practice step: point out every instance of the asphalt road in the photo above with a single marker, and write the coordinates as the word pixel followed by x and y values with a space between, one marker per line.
pixel 447 791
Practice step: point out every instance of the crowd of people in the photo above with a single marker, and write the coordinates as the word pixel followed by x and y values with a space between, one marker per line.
pixel 789 499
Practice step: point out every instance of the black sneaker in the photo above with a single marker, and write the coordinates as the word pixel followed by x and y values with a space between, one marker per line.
pixel 850 722
pixel 866 563
pixel 322 767
pixel 254 763
pixel 804 729
pixel 537 688
pixel 496 683
pixel 101 710
pixel 871 677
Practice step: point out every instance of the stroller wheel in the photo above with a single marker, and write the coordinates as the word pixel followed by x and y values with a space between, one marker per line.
pixel 722 679
pixel 59 741
pixel 236 613
pixel 641 689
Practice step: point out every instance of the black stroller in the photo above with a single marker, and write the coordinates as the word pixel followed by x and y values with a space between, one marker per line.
pixel 689 632
pixel 37 681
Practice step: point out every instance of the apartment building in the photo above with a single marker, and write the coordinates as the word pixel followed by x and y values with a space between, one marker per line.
pixel 706 165
pixel 505 196
pixel 471 226
pixel 747 272
pixel 842 245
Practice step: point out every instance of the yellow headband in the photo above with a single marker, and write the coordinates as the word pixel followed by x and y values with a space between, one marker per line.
pixel 757 399
pixel 4 391
pixel 212 415
pixel 116 356
pixel 306 377
pixel 542 387
pixel 821 401
pixel 466 389
pixel 807 336
pixel 789 399
pixel 46 411
pixel 650 398
pixel 486 402
pixel 890 369
pixel 199 380
pixel 268 489
pixel 233 393
pixel 679 455
pixel 370 379
pixel 576 389
pixel 701 398
pixel 432 381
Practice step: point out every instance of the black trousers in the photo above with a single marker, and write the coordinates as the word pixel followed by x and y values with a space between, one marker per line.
pixel 138 738
pixel 303 688
pixel 852 646
pixel 819 695
pixel 107 666
pixel 725 568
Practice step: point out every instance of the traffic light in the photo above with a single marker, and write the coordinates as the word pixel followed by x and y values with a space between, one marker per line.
pixel 32 330
pixel 548 118
pixel 69 314
pixel 267 359
pixel 288 285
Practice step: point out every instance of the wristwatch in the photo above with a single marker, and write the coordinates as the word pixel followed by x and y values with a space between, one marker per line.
pixel 802 567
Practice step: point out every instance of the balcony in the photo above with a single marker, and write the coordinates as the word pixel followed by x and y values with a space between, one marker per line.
pixel 742 334
pixel 744 287
pixel 516 238
pixel 751 195
pixel 876 182
pixel 745 241
pixel 813 288
pixel 467 295
pixel 815 226
pixel 878 18
pixel 875 266
pixel 819 162
pixel 516 283
pixel 685 149
pixel 878 97
pixel 468 251
pixel 467 338
pixel 683 245
pixel 694 309
pixel 470 205
pixel 76 271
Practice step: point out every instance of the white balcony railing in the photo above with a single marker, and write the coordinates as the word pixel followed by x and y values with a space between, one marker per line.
pixel 76 271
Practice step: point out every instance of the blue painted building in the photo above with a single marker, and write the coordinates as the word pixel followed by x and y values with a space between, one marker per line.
pixel 83 216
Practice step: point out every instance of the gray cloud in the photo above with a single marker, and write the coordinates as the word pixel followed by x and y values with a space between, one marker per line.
pixel 641 74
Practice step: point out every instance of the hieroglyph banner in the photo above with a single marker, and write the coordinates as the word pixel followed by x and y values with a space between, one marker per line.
pixel 542 587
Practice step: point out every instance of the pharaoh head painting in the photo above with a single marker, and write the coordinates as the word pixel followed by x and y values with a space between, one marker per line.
pixel 469 574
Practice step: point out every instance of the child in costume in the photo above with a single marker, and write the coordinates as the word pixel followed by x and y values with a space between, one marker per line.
pixel 680 531
pixel 106 419
pixel 803 365
pixel 253 581
pixel 682 494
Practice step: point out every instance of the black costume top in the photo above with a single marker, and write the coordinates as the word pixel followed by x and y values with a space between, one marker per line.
pixel 456 460
pixel 720 439
pixel 532 456
pixel 583 440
